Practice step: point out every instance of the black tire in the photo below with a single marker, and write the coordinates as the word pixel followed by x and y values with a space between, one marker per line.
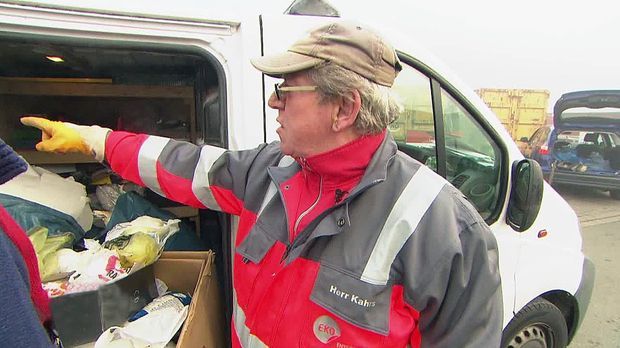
pixel 615 194
pixel 538 324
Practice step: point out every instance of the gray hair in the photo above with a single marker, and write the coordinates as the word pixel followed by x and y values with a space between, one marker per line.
pixel 379 104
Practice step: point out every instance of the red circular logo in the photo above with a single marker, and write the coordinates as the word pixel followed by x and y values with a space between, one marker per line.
pixel 326 329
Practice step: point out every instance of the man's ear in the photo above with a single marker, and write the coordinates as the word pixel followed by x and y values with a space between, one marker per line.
pixel 347 112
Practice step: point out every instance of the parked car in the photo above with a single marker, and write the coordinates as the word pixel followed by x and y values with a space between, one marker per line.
pixel 154 70
pixel 583 146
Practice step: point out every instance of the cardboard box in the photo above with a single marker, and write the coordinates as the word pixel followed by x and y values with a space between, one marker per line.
pixel 191 272
pixel 194 272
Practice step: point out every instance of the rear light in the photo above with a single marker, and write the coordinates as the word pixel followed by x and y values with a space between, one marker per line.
pixel 544 150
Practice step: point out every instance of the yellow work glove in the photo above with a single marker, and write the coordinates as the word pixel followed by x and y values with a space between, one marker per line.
pixel 66 137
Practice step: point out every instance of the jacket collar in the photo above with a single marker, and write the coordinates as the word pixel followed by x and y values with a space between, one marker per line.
pixel 377 167
pixel 376 172
pixel 346 163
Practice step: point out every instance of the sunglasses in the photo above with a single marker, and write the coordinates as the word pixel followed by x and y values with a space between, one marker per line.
pixel 282 90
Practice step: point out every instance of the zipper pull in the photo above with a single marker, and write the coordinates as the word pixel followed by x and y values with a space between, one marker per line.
pixel 339 195
pixel 286 252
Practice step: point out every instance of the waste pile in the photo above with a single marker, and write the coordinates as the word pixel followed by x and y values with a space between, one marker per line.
pixel 89 229
pixel 128 247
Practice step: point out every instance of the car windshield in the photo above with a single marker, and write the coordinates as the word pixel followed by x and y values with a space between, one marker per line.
pixel 608 139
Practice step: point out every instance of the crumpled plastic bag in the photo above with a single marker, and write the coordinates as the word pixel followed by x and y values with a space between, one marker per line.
pixel 142 240
pixel 155 325
pixel 138 248
pixel 47 248
pixel 43 187
pixel 129 247
pixel 157 228
pixel 87 270
pixel 30 215
pixel 130 206
pixel 107 195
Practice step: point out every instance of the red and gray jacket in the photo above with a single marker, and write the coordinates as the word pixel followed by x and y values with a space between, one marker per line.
pixel 359 247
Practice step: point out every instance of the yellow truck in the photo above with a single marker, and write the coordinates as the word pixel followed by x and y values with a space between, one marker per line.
pixel 521 111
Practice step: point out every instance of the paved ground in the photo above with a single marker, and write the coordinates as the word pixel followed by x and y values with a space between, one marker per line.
pixel 600 220
pixel 601 326
pixel 592 206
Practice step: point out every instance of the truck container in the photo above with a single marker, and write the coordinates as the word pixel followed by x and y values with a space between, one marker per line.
pixel 521 111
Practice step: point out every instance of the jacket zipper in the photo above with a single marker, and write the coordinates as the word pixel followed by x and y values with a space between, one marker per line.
pixel 307 211
pixel 304 234
pixel 289 246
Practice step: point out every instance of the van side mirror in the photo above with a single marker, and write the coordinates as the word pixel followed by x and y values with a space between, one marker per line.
pixel 525 194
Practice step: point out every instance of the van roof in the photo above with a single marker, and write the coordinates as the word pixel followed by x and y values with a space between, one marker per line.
pixel 222 11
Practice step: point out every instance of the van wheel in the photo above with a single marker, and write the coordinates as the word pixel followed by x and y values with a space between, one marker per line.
pixel 539 324
pixel 615 194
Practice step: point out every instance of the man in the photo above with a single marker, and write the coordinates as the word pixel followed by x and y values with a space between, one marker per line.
pixel 342 240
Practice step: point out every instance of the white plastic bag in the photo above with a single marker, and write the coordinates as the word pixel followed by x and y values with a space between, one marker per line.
pixel 51 190
pixel 155 326
pixel 140 241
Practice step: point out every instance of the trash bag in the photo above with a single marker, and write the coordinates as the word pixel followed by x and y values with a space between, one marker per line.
pixel 49 189
pixel 30 215
pixel 130 206
pixel 141 240
pixel 46 248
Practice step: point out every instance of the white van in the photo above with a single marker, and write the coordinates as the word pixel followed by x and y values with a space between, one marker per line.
pixel 190 78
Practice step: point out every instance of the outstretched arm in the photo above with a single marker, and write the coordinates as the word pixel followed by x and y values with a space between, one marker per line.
pixel 199 176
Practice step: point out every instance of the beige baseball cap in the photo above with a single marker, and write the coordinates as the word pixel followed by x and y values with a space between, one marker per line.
pixel 349 45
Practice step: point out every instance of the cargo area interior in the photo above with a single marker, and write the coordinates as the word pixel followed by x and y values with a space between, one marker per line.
pixel 587 151
pixel 160 90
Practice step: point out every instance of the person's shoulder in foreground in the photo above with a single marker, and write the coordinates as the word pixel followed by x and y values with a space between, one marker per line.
pixel 24 303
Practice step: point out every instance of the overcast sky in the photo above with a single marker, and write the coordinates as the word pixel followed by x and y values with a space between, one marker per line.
pixel 560 46
pixel 557 45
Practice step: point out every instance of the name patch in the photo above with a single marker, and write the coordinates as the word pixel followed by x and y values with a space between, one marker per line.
pixel 353 298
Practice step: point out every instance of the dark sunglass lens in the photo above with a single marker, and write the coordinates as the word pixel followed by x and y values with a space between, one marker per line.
pixel 277 90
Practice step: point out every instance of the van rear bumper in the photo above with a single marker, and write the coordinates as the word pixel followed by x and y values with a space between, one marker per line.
pixel 583 294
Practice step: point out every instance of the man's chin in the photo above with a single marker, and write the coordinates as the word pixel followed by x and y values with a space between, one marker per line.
pixel 285 151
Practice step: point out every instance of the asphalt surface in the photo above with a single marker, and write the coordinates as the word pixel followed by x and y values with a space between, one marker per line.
pixel 600 220
pixel 594 207
pixel 601 326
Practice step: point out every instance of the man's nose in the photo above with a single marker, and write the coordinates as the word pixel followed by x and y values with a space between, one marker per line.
pixel 274 102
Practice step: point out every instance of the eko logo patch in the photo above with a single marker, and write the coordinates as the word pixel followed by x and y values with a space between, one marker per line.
pixel 326 329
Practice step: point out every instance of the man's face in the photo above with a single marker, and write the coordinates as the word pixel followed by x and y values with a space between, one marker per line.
pixel 305 123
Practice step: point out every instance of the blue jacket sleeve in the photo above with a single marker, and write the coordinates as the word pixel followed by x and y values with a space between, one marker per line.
pixel 20 325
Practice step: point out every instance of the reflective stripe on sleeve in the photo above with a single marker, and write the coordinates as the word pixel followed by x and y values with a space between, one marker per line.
pixel 200 182
pixel 147 161
pixel 404 218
